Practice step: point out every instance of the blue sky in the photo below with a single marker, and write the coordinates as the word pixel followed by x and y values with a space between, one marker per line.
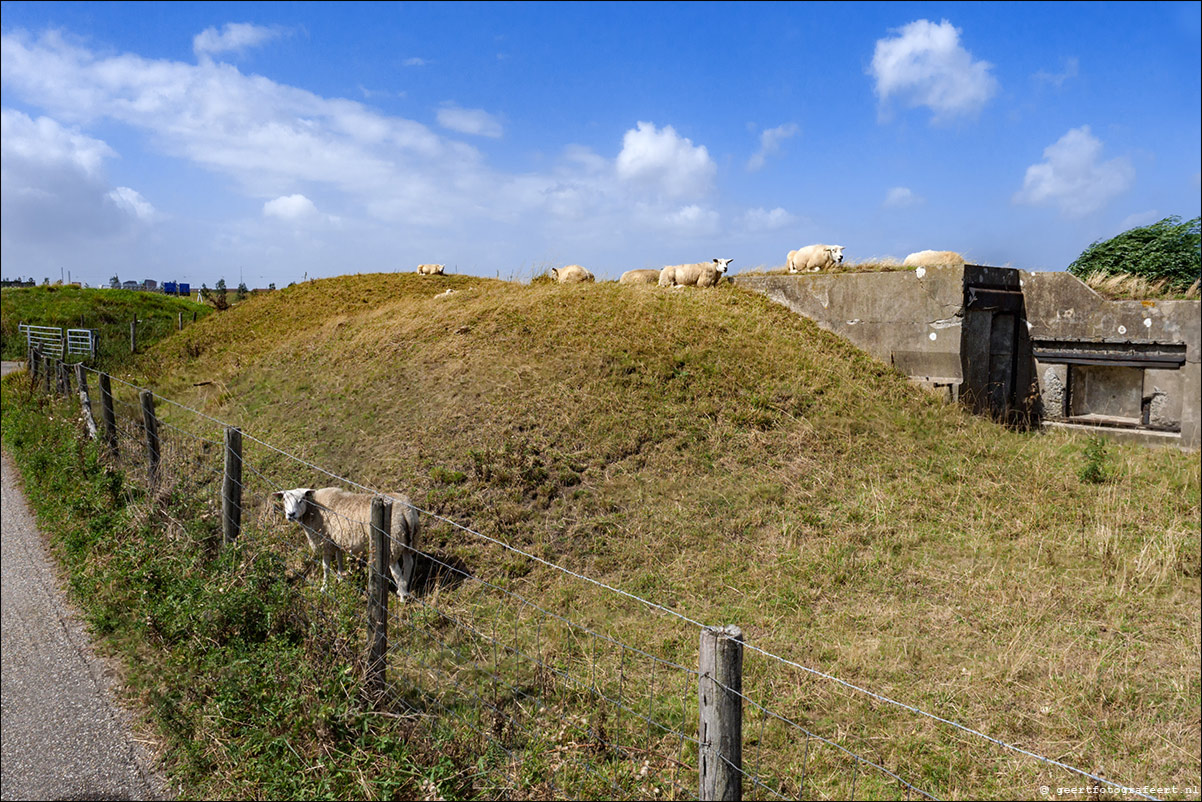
pixel 267 142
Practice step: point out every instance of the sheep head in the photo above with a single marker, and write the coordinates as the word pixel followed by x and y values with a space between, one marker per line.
pixel 295 502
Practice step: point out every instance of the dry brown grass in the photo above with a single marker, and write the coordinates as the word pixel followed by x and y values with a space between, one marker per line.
pixel 1126 286
pixel 722 457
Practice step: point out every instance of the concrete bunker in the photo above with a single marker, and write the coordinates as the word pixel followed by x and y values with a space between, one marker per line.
pixel 1025 348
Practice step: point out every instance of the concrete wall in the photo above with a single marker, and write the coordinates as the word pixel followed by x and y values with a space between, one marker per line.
pixel 909 319
pixel 1165 403
pixel 1023 346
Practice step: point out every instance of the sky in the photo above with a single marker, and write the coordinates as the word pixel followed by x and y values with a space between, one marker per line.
pixel 269 143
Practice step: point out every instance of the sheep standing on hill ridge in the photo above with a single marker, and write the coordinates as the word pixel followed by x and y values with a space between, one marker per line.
pixel 934 259
pixel 337 521
pixel 813 258
pixel 430 270
pixel 571 274
pixel 698 274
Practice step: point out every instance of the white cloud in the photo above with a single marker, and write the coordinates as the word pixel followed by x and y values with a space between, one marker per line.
pixel 468 121
pixel 44 141
pixel 1073 177
pixel 761 220
pixel 290 207
pixel 925 65
pixel 1072 67
pixel 131 202
pixel 414 61
pixel 234 36
pixel 770 140
pixel 900 198
pixel 691 220
pixel 664 162
pixel 53 188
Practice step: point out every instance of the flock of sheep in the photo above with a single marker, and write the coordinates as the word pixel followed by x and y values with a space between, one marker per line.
pixel 810 259
pixel 336 521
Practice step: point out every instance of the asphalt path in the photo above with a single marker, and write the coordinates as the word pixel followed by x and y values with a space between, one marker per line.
pixel 62 733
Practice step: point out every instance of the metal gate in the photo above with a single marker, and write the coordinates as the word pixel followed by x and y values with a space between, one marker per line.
pixel 52 341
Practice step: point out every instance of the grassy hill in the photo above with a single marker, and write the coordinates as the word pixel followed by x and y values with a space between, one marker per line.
pixel 717 455
pixel 108 311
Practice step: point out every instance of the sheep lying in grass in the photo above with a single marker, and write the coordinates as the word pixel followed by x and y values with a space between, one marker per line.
pixel 336 521
pixel 814 258
pixel 934 259
pixel 639 277
pixel 572 274
pixel 699 274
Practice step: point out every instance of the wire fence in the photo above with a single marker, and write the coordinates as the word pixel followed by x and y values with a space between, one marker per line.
pixel 564 686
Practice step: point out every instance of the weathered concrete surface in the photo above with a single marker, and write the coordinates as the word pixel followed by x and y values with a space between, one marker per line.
pixel 1062 308
pixel 910 319
pixel 62 734
pixel 968 331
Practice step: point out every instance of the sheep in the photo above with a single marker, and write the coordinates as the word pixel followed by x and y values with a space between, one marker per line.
pixel 430 270
pixel 813 258
pixel 571 274
pixel 934 259
pixel 639 277
pixel 699 274
pixel 337 521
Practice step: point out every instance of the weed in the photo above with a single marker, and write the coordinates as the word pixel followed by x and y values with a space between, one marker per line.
pixel 1097 461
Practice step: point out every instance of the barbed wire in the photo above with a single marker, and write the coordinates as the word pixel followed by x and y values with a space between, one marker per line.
pixel 132 435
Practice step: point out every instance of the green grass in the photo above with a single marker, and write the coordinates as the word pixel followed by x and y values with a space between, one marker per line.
pixel 732 462
pixel 108 311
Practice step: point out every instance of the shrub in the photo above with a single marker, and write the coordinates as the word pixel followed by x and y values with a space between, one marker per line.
pixel 1169 251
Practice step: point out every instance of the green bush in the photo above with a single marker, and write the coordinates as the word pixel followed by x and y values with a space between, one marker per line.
pixel 1169 251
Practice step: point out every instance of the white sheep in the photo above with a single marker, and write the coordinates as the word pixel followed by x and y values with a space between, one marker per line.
pixel 639 277
pixel 813 258
pixel 430 270
pixel 337 521
pixel 571 274
pixel 934 259
pixel 698 274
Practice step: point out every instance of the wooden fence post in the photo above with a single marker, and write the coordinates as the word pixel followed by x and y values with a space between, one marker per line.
pixel 49 368
pixel 133 335
pixel 65 375
pixel 720 736
pixel 35 364
pixel 231 487
pixel 377 596
pixel 179 325
pixel 152 435
pixel 85 402
pixel 108 414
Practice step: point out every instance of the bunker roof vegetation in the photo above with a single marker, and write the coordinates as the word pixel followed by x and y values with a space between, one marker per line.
pixel 719 455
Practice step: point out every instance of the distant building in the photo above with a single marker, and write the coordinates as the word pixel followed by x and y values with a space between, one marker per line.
pixel 150 285
pixel 130 285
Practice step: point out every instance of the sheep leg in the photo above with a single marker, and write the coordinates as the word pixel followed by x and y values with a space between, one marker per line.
pixel 402 572
pixel 327 556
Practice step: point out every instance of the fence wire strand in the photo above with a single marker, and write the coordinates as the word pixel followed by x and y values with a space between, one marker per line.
pixel 192 451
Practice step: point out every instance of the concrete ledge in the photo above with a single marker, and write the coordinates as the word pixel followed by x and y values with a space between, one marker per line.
pixel 1147 437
